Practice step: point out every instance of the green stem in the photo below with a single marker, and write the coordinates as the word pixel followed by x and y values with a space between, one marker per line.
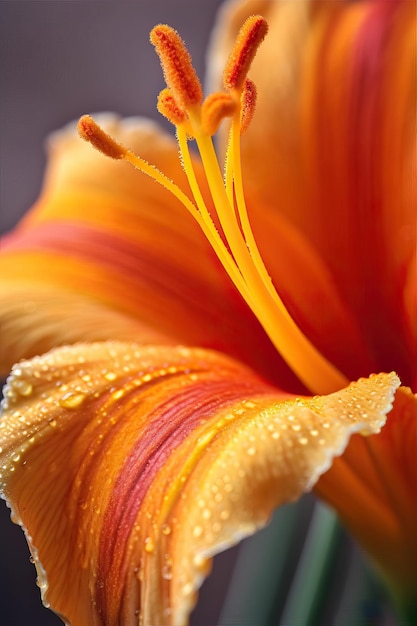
pixel 310 585
pixel 407 610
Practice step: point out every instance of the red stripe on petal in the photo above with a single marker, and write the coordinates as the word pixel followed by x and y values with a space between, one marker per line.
pixel 168 426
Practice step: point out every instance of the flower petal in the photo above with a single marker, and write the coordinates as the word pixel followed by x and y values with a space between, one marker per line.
pixel 35 318
pixel 310 293
pixel 388 460
pixel 107 233
pixel 359 147
pixel 130 467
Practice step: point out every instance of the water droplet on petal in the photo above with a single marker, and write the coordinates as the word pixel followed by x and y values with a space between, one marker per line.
pixel 22 387
pixel 167 570
pixel 149 544
pixel 187 589
pixel 72 400
pixel 198 531
pixel 166 529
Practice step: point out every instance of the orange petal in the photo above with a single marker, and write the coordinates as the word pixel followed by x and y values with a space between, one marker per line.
pixel 358 116
pixel 382 511
pixel 310 292
pixel 35 319
pixel 130 467
pixel 108 234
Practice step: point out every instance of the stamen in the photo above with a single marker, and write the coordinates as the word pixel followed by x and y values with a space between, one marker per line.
pixel 248 41
pixel 215 108
pixel 248 102
pixel 91 132
pixel 235 245
pixel 179 73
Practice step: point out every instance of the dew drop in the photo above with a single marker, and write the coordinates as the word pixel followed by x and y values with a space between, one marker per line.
pixel 187 589
pixel 23 387
pixel 166 529
pixel 198 531
pixel 149 545
pixel 110 376
pixel 200 561
pixel 72 400
pixel 206 514
pixel 167 570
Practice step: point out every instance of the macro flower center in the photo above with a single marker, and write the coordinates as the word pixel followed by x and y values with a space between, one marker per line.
pixel 198 119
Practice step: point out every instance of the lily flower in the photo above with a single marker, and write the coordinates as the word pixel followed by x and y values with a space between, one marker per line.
pixel 133 456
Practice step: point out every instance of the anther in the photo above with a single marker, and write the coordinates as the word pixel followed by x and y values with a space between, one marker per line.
pixel 248 101
pixel 248 41
pixel 179 73
pixel 215 108
pixel 94 134
pixel 169 108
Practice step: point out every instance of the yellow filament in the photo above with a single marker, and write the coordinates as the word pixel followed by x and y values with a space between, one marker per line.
pixel 210 230
pixel 317 373
pixel 308 364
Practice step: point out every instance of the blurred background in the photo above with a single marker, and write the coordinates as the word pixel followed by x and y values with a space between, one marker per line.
pixel 59 60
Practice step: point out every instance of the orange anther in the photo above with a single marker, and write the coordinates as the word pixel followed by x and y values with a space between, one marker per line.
pixel 247 42
pixel 216 107
pixel 94 134
pixel 248 100
pixel 179 73
pixel 169 108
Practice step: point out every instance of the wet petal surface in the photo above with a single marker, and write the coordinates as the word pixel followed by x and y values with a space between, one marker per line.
pixel 129 467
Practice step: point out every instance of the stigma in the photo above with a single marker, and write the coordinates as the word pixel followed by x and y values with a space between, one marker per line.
pixel 197 119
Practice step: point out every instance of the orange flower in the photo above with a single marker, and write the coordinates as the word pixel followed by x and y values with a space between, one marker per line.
pixel 131 462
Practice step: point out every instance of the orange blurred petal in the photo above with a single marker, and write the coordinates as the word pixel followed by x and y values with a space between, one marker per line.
pixel 130 467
